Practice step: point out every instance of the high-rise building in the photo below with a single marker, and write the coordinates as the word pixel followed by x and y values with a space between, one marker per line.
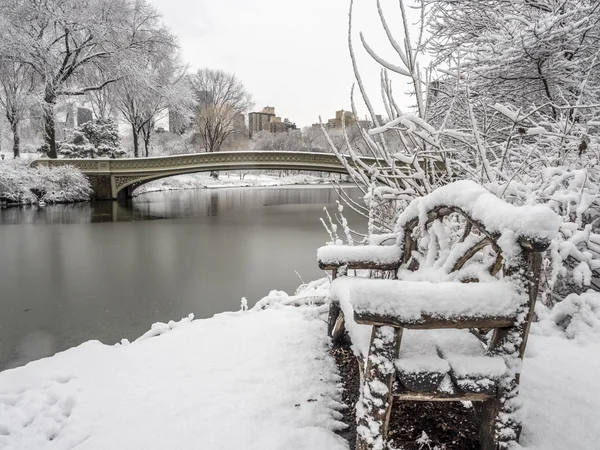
pixel 266 120
pixel 348 120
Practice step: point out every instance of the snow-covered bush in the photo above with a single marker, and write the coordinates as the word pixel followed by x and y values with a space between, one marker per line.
pixel 61 184
pixel 577 316
pixel 77 146
pixel 16 182
pixel 93 139
pixel 573 192
pixel 20 183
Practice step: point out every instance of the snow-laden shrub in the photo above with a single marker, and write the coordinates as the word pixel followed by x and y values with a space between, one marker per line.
pixel 62 184
pixel 20 183
pixel 16 182
pixel 573 192
pixel 77 146
pixel 577 316
pixel 314 293
pixel 93 139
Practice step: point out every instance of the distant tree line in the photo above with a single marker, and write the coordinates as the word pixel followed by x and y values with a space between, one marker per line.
pixel 117 57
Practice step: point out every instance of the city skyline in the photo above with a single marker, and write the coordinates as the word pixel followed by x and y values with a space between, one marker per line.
pixel 294 58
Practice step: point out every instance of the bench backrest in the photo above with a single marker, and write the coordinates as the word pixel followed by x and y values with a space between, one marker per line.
pixel 465 233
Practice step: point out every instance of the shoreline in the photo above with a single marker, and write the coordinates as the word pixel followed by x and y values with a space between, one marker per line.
pixel 198 181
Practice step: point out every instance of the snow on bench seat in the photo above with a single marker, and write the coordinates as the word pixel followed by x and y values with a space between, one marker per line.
pixel 448 363
pixel 471 369
pixel 419 366
pixel 384 257
pixel 423 304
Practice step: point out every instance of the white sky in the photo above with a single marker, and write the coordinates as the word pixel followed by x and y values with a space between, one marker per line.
pixel 292 55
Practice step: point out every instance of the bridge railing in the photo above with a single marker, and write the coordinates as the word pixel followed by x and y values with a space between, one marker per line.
pixel 314 160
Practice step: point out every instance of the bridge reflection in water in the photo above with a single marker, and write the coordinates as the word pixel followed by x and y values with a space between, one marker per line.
pixel 173 204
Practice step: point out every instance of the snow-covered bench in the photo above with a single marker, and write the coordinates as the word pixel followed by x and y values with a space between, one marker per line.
pixel 453 320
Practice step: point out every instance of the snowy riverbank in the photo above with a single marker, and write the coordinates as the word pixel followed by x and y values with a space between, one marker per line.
pixel 258 379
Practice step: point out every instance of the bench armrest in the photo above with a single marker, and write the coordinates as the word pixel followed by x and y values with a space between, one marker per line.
pixel 387 257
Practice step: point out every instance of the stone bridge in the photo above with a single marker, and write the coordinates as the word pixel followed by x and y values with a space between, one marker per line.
pixel 117 178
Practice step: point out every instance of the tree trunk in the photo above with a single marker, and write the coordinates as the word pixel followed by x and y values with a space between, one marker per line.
pixel 49 126
pixel 136 143
pixel 146 138
pixel 14 126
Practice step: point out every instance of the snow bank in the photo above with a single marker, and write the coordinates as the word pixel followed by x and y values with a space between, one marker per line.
pixel 315 293
pixel 560 394
pixel 247 380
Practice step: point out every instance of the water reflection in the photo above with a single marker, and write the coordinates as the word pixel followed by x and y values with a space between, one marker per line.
pixel 61 284
pixel 164 205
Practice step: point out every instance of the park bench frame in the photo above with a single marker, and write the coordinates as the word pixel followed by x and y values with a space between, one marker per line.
pixel 524 271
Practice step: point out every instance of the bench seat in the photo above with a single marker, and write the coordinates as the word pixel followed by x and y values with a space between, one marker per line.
pixel 427 305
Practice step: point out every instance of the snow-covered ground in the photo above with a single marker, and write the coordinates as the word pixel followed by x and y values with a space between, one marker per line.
pixel 258 379
pixel 561 394
pixel 246 380
pixel 230 179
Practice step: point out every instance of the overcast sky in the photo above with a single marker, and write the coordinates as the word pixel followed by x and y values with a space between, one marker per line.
pixel 292 55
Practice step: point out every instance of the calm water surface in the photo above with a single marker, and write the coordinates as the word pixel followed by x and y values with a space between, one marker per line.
pixel 106 271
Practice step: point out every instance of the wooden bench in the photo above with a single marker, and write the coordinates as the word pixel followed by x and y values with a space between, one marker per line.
pixel 443 313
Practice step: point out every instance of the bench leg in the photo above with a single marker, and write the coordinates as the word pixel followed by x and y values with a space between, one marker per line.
pixel 334 313
pixel 499 423
pixel 375 403
pixel 487 428
pixel 338 328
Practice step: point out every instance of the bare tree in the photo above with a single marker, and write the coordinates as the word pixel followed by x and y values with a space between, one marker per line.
pixel 61 39
pixel 221 99
pixel 522 53
pixel 101 100
pixel 17 84
pixel 153 85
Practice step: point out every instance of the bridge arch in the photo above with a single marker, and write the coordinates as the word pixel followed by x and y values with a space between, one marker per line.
pixel 128 184
pixel 112 178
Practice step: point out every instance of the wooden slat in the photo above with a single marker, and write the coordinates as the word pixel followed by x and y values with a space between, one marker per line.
pixel 434 323
pixel 440 397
